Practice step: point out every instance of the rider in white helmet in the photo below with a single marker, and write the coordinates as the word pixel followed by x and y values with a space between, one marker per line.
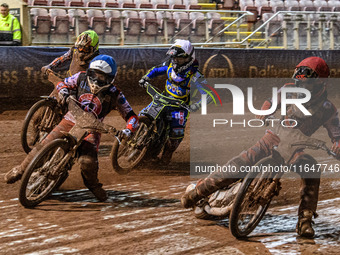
pixel 182 74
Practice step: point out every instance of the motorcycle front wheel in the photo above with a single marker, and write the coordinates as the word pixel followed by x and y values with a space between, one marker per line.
pixel 129 154
pixel 252 200
pixel 44 174
pixel 40 119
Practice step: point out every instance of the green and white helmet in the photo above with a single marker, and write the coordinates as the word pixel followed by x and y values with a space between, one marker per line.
pixel 87 41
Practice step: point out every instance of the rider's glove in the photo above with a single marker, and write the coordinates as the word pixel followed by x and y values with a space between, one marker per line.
pixel 44 70
pixel 63 95
pixel 125 133
pixel 336 148
pixel 142 82
pixel 195 107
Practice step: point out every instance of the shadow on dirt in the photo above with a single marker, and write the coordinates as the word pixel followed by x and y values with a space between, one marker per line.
pixel 83 200
pixel 173 169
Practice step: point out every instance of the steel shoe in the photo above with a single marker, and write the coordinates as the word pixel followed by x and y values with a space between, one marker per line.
pixel 304 226
pixel 99 193
pixel 14 175
pixel 190 197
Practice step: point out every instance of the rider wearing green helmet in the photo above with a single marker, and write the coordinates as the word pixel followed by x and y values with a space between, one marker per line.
pixel 80 55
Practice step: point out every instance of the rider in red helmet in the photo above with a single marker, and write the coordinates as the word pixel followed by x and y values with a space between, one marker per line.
pixel 308 74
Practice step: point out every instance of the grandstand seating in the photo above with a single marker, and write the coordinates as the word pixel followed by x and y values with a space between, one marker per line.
pixel 161 4
pixel 57 2
pixel 192 4
pixel 41 24
pixel 83 21
pixel 183 23
pixel 170 21
pixel 144 4
pixel 176 4
pixel 97 21
pixel 142 26
pixel 110 4
pixel 93 3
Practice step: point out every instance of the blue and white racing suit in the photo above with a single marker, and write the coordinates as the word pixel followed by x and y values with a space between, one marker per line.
pixel 178 86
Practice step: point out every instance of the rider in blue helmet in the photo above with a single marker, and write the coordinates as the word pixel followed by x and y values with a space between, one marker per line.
pixel 101 73
pixel 95 91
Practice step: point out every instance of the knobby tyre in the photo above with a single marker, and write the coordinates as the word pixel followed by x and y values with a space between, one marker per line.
pixel 41 118
pixel 129 154
pixel 250 204
pixel 44 173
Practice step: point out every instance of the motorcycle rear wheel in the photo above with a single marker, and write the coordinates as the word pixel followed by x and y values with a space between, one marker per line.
pixel 250 205
pixel 38 182
pixel 126 156
pixel 40 119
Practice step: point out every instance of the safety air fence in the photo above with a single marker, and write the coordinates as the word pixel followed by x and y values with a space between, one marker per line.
pixel 22 81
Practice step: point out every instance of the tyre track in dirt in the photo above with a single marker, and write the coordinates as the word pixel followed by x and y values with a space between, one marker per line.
pixel 143 215
pixel 153 226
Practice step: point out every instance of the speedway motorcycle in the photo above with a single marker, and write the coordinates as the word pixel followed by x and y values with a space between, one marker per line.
pixel 50 166
pixel 153 132
pixel 246 201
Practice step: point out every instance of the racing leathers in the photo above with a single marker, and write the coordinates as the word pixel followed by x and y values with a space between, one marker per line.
pixel 79 61
pixel 177 86
pixel 100 104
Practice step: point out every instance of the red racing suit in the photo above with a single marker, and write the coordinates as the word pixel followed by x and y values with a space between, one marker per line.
pixel 100 104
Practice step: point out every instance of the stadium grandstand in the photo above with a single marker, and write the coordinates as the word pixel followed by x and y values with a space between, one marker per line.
pixel 283 24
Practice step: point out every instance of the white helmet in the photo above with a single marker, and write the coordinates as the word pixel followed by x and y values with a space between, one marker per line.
pixel 181 49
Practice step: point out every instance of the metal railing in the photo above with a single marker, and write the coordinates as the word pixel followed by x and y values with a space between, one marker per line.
pixel 324 33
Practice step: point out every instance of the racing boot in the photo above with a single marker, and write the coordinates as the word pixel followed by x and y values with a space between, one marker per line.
pixel 95 187
pixel 99 192
pixel 14 174
pixel 166 158
pixel 89 172
pixel 304 226
pixel 169 148
pixel 190 197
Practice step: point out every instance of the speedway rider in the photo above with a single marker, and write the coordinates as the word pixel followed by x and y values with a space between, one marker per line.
pixel 80 55
pixel 308 74
pixel 182 73
pixel 95 91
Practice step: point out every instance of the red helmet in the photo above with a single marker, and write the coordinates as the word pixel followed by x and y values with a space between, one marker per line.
pixel 312 67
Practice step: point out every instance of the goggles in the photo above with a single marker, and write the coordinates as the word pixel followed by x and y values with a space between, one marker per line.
pixel 86 49
pixel 100 79
pixel 303 73
pixel 176 52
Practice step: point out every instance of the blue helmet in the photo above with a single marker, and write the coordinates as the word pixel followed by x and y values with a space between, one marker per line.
pixel 101 72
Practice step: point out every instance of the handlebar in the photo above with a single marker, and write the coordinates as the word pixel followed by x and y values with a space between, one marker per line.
pixel 89 120
pixel 50 71
pixel 175 101
pixel 317 144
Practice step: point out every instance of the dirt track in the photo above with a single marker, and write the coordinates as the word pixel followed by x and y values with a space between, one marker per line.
pixel 144 215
